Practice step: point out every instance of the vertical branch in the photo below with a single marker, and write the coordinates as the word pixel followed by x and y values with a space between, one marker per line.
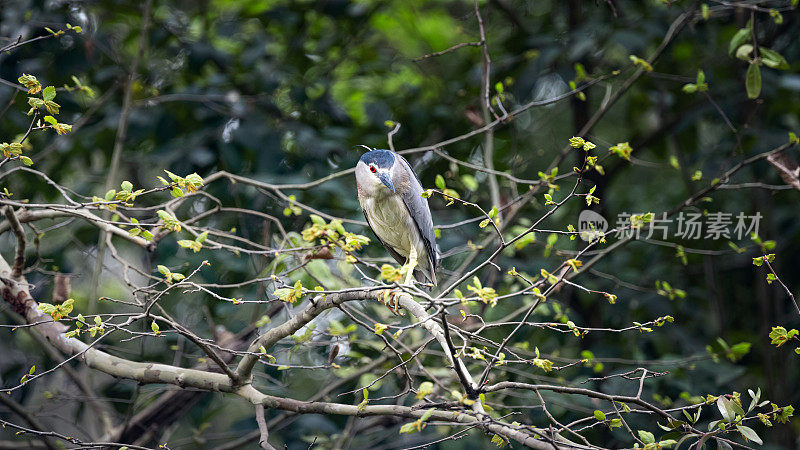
pixel 119 141
pixel 487 63
pixel 262 428
pixel 19 257
pixel 391 134
pixel 471 393
pixel 753 32
pixel 486 107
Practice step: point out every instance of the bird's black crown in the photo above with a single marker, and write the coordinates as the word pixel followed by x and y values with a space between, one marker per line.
pixel 381 158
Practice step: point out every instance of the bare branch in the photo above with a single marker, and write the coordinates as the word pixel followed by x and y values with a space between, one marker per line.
pixel 262 428
pixel 19 257
pixel 27 417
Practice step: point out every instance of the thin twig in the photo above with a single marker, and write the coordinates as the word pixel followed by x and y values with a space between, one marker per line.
pixel 119 141
pixel 455 47
pixel 390 135
pixel 456 367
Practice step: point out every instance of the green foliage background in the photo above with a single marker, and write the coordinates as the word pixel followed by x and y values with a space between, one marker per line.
pixel 307 81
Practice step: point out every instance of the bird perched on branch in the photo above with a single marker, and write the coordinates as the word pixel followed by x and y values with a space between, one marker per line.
pixel 390 194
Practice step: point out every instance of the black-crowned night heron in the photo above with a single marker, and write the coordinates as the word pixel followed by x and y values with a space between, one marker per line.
pixel 390 196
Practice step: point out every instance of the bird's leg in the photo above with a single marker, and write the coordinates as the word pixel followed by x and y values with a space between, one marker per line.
pixel 411 264
pixel 391 300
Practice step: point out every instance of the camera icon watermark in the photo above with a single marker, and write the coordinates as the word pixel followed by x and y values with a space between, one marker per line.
pixel 591 225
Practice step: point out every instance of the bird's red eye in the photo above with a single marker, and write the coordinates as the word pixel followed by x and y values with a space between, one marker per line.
pixel 372 169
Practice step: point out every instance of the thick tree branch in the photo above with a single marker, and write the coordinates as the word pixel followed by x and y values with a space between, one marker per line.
pixel 411 412
pixel 15 291
pixel 288 328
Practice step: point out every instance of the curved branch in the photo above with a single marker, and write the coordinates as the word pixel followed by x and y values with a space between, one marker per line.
pixel 25 216
pixel 318 305
pixel 16 292
pixel 411 412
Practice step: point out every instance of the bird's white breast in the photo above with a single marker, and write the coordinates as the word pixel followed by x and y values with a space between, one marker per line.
pixel 391 222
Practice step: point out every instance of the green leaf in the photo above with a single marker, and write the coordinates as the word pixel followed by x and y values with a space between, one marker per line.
pixel 722 445
pixel 738 39
pixel 50 119
pixel 427 415
pixel 25 160
pixel 469 182
pixel 498 441
pixel 34 103
pixel 599 415
pixel 195 179
pixel 283 293
pixel 408 428
pixel 744 52
pixel 49 93
pixel 440 182
pixel 773 59
pixel 777 17
pixel 725 408
pixel 749 434
pixel 753 81
pixel 737 409
pixel 127 186
pixel 647 437
pixel 380 328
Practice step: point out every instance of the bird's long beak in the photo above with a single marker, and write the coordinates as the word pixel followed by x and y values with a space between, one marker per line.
pixel 386 179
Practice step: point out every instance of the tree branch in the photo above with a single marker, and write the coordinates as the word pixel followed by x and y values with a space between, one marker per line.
pixel 27 417
pixel 15 291
pixel 19 257
pixel 25 216
pixel 262 428
pixel 462 378
pixel 410 412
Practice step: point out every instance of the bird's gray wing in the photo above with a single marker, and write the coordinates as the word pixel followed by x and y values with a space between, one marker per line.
pixel 397 256
pixel 421 213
